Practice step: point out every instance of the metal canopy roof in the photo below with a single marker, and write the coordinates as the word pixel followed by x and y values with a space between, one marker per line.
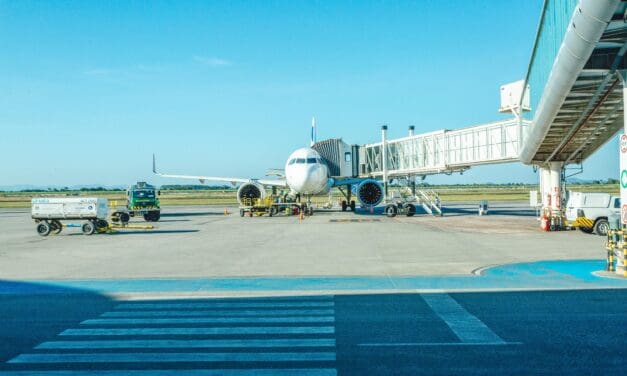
pixel 592 110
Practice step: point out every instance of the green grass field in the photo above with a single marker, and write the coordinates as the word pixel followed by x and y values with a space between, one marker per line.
pixel 227 197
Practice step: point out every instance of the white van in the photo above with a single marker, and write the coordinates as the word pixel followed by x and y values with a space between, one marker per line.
pixel 595 208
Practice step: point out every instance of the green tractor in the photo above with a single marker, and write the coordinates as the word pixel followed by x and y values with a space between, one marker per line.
pixel 142 200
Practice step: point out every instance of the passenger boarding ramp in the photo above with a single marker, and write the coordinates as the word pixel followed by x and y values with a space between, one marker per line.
pixel 444 151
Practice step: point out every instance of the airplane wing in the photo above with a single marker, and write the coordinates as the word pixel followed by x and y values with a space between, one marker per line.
pixel 203 179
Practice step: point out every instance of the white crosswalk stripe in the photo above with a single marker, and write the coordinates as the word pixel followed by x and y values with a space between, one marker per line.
pixel 231 313
pixel 219 330
pixel 187 372
pixel 277 332
pixel 171 344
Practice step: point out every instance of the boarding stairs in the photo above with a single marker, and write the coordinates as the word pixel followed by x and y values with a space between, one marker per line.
pixel 430 201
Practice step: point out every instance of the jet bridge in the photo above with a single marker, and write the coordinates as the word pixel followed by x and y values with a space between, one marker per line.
pixel 444 151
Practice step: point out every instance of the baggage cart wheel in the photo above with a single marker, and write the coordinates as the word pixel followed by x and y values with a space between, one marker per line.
pixel 410 210
pixel 88 228
pixel 124 217
pixel 43 228
pixel 102 225
pixel 391 211
pixel 56 226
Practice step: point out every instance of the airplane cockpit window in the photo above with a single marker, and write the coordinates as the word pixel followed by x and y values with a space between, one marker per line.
pixel 320 160
pixel 311 160
pixel 300 160
pixel 292 161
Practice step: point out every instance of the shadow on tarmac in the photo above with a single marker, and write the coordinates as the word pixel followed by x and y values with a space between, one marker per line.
pixel 515 212
pixel 190 214
pixel 149 232
pixel 529 332
pixel 34 312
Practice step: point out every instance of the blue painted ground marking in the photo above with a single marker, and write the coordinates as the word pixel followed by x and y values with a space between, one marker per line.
pixel 538 275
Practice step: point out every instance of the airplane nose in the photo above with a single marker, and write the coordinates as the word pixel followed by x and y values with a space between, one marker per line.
pixel 301 181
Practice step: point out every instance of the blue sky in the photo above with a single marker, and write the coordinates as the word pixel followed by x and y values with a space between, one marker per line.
pixel 91 89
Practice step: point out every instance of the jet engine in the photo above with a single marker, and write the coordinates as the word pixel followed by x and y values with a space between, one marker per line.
pixel 249 191
pixel 370 192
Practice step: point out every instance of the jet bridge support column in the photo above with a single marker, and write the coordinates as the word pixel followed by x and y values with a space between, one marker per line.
pixel 551 190
pixel 384 158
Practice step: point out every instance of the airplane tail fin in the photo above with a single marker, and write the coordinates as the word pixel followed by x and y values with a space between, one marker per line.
pixel 313 131
pixel 154 165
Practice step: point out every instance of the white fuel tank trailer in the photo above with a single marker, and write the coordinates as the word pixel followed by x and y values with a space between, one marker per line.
pixel 48 212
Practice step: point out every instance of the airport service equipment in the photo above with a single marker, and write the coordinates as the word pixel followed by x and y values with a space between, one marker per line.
pixel 142 200
pixel 483 207
pixel 590 211
pixel 48 212
pixel 396 204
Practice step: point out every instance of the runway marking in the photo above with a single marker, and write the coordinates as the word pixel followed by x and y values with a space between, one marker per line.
pixel 161 344
pixel 201 331
pixel 468 328
pixel 213 320
pixel 206 357
pixel 231 313
pixel 153 306
pixel 243 339
pixel 189 372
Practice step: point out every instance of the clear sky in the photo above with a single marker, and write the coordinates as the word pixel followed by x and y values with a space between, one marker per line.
pixel 90 89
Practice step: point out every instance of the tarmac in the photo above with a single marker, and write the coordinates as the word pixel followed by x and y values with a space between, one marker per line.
pixel 203 242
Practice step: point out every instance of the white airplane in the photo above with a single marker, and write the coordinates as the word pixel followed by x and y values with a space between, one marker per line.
pixel 306 174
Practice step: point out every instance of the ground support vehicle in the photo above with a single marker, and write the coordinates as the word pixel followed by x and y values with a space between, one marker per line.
pixel 589 212
pixel 400 203
pixel 271 207
pixel 392 209
pixel 49 212
pixel 142 200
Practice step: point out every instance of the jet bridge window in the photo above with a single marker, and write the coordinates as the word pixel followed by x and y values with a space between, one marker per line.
pixel 347 156
pixel 311 160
